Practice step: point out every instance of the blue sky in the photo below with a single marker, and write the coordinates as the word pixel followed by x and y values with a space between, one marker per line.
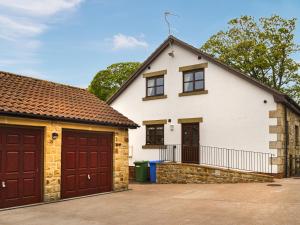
pixel 68 41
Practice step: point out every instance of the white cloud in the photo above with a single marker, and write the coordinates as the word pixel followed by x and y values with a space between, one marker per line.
pixel 21 24
pixel 121 41
pixel 13 28
pixel 40 7
pixel 29 18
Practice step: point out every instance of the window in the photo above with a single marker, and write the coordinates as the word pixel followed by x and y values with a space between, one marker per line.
pixel 297 135
pixel 193 80
pixel 154 134
pixel 155 86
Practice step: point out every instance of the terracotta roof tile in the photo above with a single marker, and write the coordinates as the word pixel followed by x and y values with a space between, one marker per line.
pixel 27 96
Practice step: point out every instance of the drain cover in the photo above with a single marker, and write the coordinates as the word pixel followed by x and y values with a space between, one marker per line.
pixel 274 185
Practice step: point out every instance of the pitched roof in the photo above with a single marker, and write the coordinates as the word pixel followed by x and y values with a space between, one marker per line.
pixel 278 96
pixel 30 97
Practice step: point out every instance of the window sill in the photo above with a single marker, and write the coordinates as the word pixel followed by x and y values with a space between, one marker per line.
pixel 193 93
pixel 153 146
pixel 154 97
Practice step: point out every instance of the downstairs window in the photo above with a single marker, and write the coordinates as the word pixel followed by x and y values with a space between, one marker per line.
pixel 155 134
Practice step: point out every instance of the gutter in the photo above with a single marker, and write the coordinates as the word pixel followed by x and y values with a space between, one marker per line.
pixel 286 136
pixel 70 120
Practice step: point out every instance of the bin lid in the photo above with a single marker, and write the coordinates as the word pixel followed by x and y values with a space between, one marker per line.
pixel 155 161
pixel 141 162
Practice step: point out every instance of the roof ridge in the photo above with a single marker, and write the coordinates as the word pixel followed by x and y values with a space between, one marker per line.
pixel 43 80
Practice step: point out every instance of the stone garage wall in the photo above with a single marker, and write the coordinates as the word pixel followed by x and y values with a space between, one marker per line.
pixel 120 160
pixel 177 173
pixel 52 152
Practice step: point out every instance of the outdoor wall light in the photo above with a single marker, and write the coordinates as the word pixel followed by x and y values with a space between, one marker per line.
pixel 54 136
pixel 171 53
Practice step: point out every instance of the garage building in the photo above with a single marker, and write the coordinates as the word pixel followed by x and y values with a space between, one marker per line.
pixel 58 141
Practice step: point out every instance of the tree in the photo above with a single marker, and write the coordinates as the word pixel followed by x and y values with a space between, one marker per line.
pixel 108 81
pixel 262 49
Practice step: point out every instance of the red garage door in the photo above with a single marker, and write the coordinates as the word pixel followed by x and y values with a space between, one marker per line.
pixel 20 166
pixel 86 163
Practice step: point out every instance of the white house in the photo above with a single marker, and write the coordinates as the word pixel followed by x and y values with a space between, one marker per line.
pixel 184 97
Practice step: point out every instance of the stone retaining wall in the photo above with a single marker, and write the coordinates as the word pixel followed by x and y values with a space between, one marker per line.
pixel 177 173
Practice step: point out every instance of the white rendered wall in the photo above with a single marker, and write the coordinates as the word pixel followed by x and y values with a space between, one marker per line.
pixel 234 113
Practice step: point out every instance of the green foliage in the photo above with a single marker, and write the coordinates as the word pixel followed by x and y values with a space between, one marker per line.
pixel 262 49
pixel 108 81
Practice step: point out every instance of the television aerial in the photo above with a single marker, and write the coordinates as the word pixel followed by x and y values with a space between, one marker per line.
pixel 167 14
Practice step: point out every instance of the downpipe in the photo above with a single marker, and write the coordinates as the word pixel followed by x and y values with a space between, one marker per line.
pixel 286 128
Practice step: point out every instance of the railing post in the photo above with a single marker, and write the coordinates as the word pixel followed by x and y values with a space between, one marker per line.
pixel 159 152
pixel 271 163
pixel 199 154
pixel 227 150
pixel 174 153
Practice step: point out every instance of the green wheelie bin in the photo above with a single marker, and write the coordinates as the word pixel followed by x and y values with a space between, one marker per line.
pixel 141 171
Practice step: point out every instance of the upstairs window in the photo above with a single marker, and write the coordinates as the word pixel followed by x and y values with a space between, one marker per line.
pixel 155 86
pixel 297 135
pixel 193 80
pixel 155 134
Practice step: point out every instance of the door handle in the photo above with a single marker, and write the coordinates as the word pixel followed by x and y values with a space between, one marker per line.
pixel 3 184
pixel 88 176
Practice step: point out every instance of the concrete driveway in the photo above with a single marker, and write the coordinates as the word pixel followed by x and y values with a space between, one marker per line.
pixel 172 204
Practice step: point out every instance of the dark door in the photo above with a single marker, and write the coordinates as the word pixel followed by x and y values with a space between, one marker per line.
pixel 86 163
pixel 20 166
pixel 190 143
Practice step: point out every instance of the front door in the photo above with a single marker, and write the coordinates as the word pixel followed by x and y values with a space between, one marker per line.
pixel 20 166
pixel 190 143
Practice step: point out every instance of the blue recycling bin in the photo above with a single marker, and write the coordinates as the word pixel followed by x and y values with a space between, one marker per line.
pixel 153 170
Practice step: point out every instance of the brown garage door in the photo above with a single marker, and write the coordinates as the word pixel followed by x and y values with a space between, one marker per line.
pixel 86 163
pixel 20 166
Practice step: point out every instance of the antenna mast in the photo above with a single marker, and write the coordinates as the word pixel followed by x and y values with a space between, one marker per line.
pixel 171 54
pixel 167 21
